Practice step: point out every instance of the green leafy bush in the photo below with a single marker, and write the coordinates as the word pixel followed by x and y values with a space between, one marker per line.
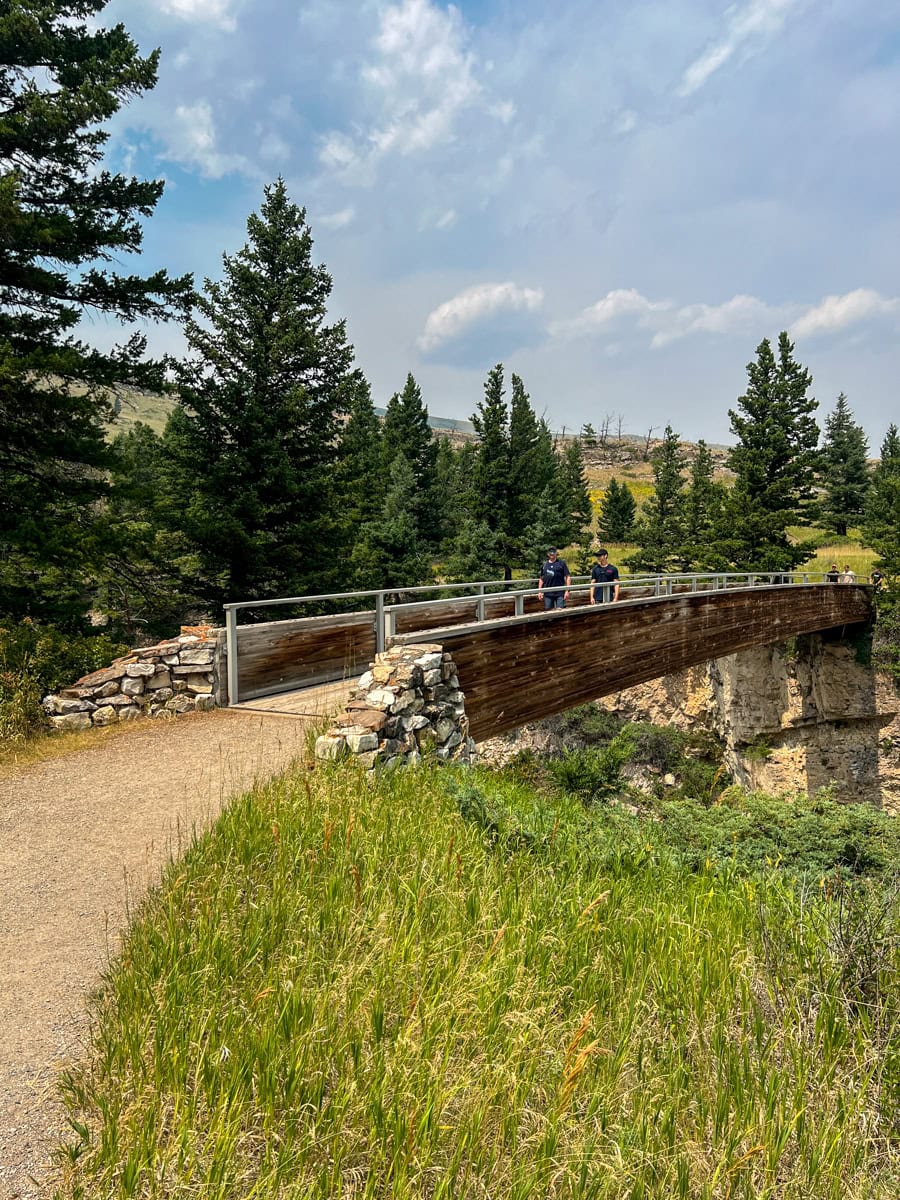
pixel 592 774
pixel 37 659
pixel 51 658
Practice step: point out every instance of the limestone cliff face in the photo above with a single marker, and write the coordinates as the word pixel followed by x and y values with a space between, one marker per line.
pixel 789 723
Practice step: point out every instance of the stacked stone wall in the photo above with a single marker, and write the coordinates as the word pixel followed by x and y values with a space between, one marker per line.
pixel 182 674
pixel 407 707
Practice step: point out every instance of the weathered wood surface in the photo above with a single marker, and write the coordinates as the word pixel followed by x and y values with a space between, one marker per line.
pixel 281 655
pixel 517 670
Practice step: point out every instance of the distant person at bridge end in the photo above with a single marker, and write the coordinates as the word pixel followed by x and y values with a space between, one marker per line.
pixel 877 580
pixel 847 576
pixel 833 575
pixel 604 579
pixel 554 574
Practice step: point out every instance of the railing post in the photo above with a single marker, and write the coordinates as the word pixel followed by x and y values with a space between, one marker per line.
pixel 668 587
pixel 693 583
pixel 657 586
pixel 231 661
pixel 519 600
pixel 479 607
pixel 805 577
pixel 379 622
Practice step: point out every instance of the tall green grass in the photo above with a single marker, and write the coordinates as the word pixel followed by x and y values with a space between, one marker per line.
pixel 403 989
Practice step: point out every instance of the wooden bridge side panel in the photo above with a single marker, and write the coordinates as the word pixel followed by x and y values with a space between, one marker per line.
pixel 522 670
pixel 281 655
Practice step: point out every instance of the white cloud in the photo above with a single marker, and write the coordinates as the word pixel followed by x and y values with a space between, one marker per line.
pixel 191 140
pixel 336 220
pixel 423 78
pixel 837 312
pixel 756 19
pixel 217 12
pixel 740 315
pixel 456 315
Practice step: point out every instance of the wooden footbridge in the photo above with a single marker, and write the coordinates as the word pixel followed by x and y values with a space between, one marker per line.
pixel 518 663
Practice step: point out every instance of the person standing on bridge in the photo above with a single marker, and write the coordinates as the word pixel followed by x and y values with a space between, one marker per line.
pixel 848 576
pixel 833 575
pixel 604 579
pixel 554 574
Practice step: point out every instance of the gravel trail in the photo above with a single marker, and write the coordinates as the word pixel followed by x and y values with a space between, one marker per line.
pixel 80 836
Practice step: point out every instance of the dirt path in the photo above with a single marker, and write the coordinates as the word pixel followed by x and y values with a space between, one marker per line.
pixel 79 836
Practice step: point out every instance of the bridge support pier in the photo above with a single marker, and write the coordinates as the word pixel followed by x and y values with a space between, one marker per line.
pixel 801 716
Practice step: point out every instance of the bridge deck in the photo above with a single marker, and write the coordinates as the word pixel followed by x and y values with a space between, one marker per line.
pixel 321 700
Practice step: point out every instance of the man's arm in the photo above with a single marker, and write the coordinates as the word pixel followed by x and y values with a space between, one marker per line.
pixel 615 591
pixel 568 585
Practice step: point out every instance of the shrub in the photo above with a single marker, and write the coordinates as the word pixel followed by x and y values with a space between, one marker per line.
pixel 592 774
pixel 21 715
pixel 51 658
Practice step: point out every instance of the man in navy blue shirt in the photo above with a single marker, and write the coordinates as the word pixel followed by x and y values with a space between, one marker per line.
pixel 554 574
pixel 604 579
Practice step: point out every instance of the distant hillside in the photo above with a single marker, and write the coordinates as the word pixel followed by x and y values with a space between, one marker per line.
pixel 149 407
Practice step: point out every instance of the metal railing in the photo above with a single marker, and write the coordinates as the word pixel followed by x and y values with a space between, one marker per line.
pixel 384 615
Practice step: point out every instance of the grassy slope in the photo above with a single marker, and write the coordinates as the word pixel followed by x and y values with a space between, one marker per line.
pixel 346 990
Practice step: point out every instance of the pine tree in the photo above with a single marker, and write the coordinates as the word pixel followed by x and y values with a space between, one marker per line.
pixel 845 470
pixel 491 421
pixel 575 499
pixel 406 431
pixel 254 440
pixel 617 512
pixel 390 552
pixel 774 462
pixel 360 460
pixel 703 504
pixel 881 528
pixel 524 460
pixel 63 221
pixel 548 528
pixel 659 531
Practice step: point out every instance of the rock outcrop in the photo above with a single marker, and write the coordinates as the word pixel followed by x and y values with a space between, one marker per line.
pixel 789 721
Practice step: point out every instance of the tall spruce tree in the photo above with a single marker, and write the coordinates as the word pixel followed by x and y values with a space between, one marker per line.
pixel 390 552
pixel 774 461
pixel 881 528
pixel 406 431
pixel 360 459
pixel 702 513
pixel 659 531
pixel 491 421
pixel 63 222
pixel 617 512
pixel 845 470
pixel 575 498
pixel 255 437
pixel 524 461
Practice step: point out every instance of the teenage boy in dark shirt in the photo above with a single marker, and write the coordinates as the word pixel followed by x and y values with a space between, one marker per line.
pixel 604 574
pixel 554 574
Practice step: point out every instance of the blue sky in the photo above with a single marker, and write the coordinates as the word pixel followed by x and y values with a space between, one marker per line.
pixel 618 201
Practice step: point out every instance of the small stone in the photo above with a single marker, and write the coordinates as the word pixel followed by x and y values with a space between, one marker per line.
pixel 108 689
pixel 417 721
pixel 430 662
pixel 132 687
pixel 369 759
pixel 381 673
pixel 67 707
pixel 72 721
pixel 106 716
pixel 178 686
pixel 130 713
pixel 413 759
pixel 365 681
pixel 369 718
pixel 199 684
pixel 404 700
pixel 360 742
pixel 180 704
pixel 380 698
pixel 669 779
pixel 454 739
pixel 171 660
pixel 432 678
pixel 162 695
pixel 159 679
pixel 134 670
pixel 106 675
pixel 444 728
pixel 196 657
pixel 205 703
pixel 330 746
